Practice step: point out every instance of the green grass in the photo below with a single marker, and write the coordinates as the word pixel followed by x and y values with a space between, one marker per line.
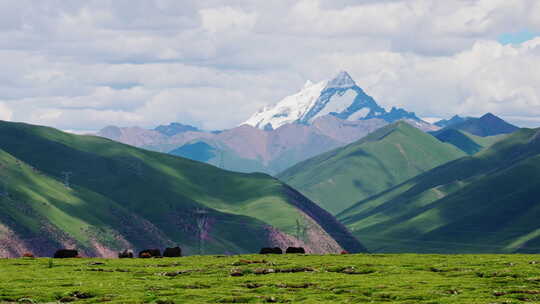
pixel 488 202
pixel 337 179
pixel 363 278
pixel 122 196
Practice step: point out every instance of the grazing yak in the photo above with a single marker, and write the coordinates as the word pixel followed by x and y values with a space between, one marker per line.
pixel 172 252
pixel 268 250
pixel 66 253
pixel 125 254
pixel 295 250
pixel 150 253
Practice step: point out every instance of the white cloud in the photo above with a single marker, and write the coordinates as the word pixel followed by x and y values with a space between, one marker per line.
pixel 488 77
pixel 5 112
pixel 226 18
pixel 84 65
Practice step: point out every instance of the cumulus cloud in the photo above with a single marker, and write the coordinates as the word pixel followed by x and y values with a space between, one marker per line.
pixel 85 65
pixel 5 112
pixel 226 19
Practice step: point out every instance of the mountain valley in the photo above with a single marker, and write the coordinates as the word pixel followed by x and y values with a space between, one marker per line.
pixel 100 196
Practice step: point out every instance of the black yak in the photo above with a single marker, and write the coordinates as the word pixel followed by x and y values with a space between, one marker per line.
pixel 66 253
pixel 125 254
pixel 150 253
pixel 295 250
pixel 268 250
pixel 172 252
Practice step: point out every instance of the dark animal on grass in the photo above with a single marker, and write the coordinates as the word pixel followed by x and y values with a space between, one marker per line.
pixel 172 252
pixel 125 254
pixel 295 250
pixel 152 252
pixel 268 250
pixel 66 253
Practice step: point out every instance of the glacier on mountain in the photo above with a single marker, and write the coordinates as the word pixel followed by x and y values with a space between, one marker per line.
pixel 340 97
pixel 289 109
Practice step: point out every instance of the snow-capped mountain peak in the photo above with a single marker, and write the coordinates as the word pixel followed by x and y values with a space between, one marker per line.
pixel 342 80
pixel 289 109
pixel 308 83
pixel 339 96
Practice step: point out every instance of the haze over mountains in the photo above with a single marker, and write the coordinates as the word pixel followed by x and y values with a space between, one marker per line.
pixel 63 190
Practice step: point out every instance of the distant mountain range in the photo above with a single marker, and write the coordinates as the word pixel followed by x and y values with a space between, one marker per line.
pixel 488 202
pixel 175 128
pixel 320 117
pixel 62 190
pixel 447 122
pixel 317 119
pixel 249 149
pixel 487 125
pixel 471 134
pixel 384 158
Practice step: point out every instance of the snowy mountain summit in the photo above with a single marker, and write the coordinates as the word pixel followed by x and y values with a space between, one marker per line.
pixel 342 80
pixel 340 97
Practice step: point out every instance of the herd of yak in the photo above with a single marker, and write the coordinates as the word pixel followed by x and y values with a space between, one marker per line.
pixel 169 252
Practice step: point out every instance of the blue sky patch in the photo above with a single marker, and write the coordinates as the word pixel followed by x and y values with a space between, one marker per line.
pixel 517 37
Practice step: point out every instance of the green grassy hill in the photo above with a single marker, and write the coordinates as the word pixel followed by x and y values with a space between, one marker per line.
pixel 124 197
pixel 489 202
pixel 384 158
pixel 466 142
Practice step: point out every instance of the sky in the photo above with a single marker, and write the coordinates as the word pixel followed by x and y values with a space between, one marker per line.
pixel 83 65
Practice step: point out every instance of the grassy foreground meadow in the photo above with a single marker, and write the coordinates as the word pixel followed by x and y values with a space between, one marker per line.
pixel 360 278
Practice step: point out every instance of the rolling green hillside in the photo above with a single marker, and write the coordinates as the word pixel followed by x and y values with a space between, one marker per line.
pixel 384 158
pixel 124 197
pixel 489 202
pixel 466 142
